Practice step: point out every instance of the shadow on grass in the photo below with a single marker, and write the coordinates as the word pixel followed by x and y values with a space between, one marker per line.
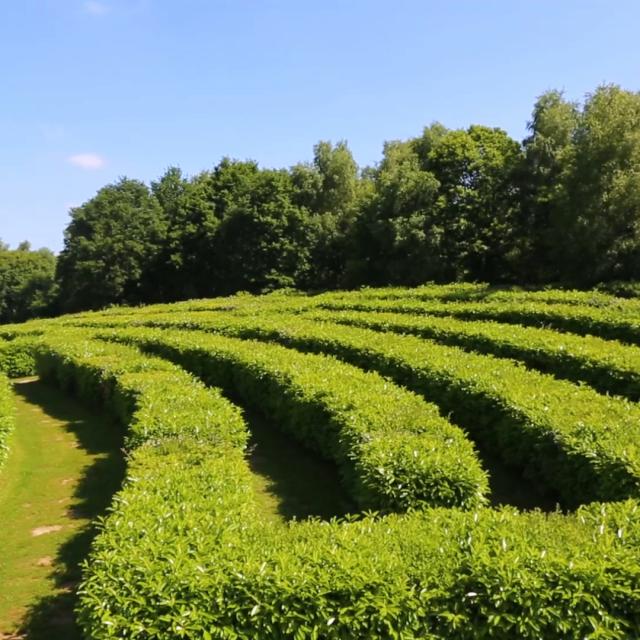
pixel 52 617
pixel 295 481
pixel 306 485
pixel 509 486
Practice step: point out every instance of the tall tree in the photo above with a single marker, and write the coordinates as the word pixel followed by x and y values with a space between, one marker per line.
pixel 477 200
pixel 445 208
pixel 263 239
pixel 330 190
pixel 169 274
pixel 110 243
pixel 597 230
pixel 27 287
pixel 447 205
pixel 548 155
pixel 397 234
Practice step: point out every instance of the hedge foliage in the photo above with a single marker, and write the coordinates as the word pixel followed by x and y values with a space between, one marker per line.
pixel 394 450
pixel 578 443
pixel 7 418
pixel 607 366
pixel 16 357
pixel 580 312
pixel 155 399
pixel 16 360
pixel 479 292
pixel 611 322
pixel 185 553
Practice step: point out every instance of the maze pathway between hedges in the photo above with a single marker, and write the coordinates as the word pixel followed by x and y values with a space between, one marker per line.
pixel 63 469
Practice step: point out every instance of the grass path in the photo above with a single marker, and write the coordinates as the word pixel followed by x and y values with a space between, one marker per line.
pixel 63 468
pixel 289 481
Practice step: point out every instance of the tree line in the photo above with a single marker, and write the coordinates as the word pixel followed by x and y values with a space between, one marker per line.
pixel 561 207
pixel 27 283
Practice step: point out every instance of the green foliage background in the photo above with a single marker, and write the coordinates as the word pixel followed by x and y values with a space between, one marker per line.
pixel 562 207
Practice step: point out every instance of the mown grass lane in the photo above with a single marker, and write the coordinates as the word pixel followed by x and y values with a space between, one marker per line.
pixel 289 481
pixel 63 468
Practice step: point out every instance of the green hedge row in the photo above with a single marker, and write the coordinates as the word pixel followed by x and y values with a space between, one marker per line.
pixel 154 398
pixel 394 450
pixel 174 422
pixel 7 418
pixel 608 366
pixel 572 439
pixel 470 292
pixel 16 360
pixel 183 555
pixel 621 289
pixel 610 323
pixel 16 357
pixel 32 329
pixel 584 313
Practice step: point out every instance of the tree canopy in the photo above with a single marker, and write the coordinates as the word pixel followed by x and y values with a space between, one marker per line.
pixel 27 287
pixel 109 244
pixel 561 206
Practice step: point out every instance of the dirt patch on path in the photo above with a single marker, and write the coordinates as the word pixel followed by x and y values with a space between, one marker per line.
pixel 41 531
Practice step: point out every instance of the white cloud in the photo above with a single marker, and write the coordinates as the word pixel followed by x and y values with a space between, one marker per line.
pixel 89 161
pixel 96 8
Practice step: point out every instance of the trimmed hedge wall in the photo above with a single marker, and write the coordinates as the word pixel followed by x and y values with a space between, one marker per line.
pixel 394 451
pixel 574 440
pixel 185 554
pixel 608 366
pixel 612 323
pixel 16 357
pixel 155 399
pixel 7 417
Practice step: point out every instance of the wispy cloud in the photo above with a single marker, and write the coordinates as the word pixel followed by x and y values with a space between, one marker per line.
pixel 96 8
pixel 88 161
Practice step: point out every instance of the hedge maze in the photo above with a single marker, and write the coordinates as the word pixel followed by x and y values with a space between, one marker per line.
pixel 413 394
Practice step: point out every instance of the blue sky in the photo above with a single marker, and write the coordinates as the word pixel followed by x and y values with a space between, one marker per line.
pixel 94 90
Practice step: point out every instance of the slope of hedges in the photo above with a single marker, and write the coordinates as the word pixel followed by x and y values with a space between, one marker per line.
pixel 394 450
pixel 583 445
pixel 185 553
pixel 608 366
pixel 157 400
pixel 16 357
pixel 608 322
pixel 470 292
